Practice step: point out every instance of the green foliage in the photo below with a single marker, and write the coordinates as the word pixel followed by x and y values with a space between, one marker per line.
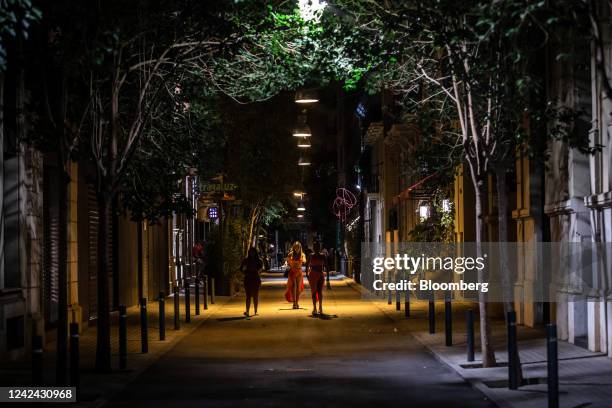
pixel 16 18
pixel 254 50
pixel 494 52
pixel 169 148
pixel 439 226
pixel 273 57
pixel 273 211
pixel 415 48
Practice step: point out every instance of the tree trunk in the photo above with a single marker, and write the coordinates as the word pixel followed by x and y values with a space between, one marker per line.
pixel 139 264
pixel 256 233
pixel 488 353
pixel 106 183
pixel 103 346
pixel 252 222
pixel 502 220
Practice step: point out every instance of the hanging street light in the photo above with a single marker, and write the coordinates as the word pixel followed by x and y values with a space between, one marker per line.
pixel 304 143
pixel 304 160
pixel 306 96
pixel 302 129
pixel 301 206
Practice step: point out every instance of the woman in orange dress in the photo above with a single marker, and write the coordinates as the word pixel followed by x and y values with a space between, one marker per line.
pixel 295 281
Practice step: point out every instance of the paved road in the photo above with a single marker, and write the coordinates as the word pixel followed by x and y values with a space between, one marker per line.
pixel 286 358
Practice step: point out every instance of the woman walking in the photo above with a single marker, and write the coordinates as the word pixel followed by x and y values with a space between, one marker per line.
pixel 316 279
pixel 295 281
pixel 251 266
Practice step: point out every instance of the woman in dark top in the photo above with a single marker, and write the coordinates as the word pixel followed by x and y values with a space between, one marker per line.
pixel 316 264
pixel 251 266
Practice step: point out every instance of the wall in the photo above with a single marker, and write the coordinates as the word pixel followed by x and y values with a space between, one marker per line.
pixel 21 253
pixel 599 199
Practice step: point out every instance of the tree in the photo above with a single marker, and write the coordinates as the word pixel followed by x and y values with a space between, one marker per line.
pixel 167 151
pixel 137 53
pixel 476 56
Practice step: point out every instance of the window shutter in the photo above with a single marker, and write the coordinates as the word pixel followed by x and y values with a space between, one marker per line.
pixel 92 232
pixel 50 287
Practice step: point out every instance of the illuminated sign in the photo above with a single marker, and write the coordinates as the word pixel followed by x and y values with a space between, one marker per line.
pixel 212 213
pixel 218 187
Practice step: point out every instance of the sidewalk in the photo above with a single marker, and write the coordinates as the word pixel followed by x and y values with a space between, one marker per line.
pixel 97 388
pixel 584 376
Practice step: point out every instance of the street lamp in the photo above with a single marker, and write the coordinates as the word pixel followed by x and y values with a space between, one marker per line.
pixel 302 129
pixel 424 211
pixel 304 142
pixel 306 96
pixel 304 160
pixel 301 206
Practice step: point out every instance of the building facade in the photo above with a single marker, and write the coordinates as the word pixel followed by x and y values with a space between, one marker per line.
pixel 29 260
pixel 566 197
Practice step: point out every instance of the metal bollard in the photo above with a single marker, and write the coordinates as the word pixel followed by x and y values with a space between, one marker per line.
pixel 553 366
pixel 205 292
pixel 162 316
pixel 512 352
pixel 470 335
pixel 448 322
pixel 187 302
pixel 75 381
pixel 37 360
pixel 407 305
pixel 144 327
pixel 122 338
pixel 432 317
pixel 177 321
pixel 197 297
pixel 212 291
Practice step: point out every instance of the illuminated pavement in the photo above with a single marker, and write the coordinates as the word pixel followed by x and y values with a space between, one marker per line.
pixel 286 358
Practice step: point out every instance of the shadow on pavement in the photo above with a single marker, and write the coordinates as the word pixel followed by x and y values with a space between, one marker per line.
pixel 229 319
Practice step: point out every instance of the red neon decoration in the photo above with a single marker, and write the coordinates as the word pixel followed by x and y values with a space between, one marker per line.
pixel 344 202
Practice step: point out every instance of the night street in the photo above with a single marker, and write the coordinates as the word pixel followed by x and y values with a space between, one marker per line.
pixel 284 358
pixel 179 179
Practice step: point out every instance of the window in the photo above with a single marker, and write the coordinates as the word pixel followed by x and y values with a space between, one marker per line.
pixel 14 333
